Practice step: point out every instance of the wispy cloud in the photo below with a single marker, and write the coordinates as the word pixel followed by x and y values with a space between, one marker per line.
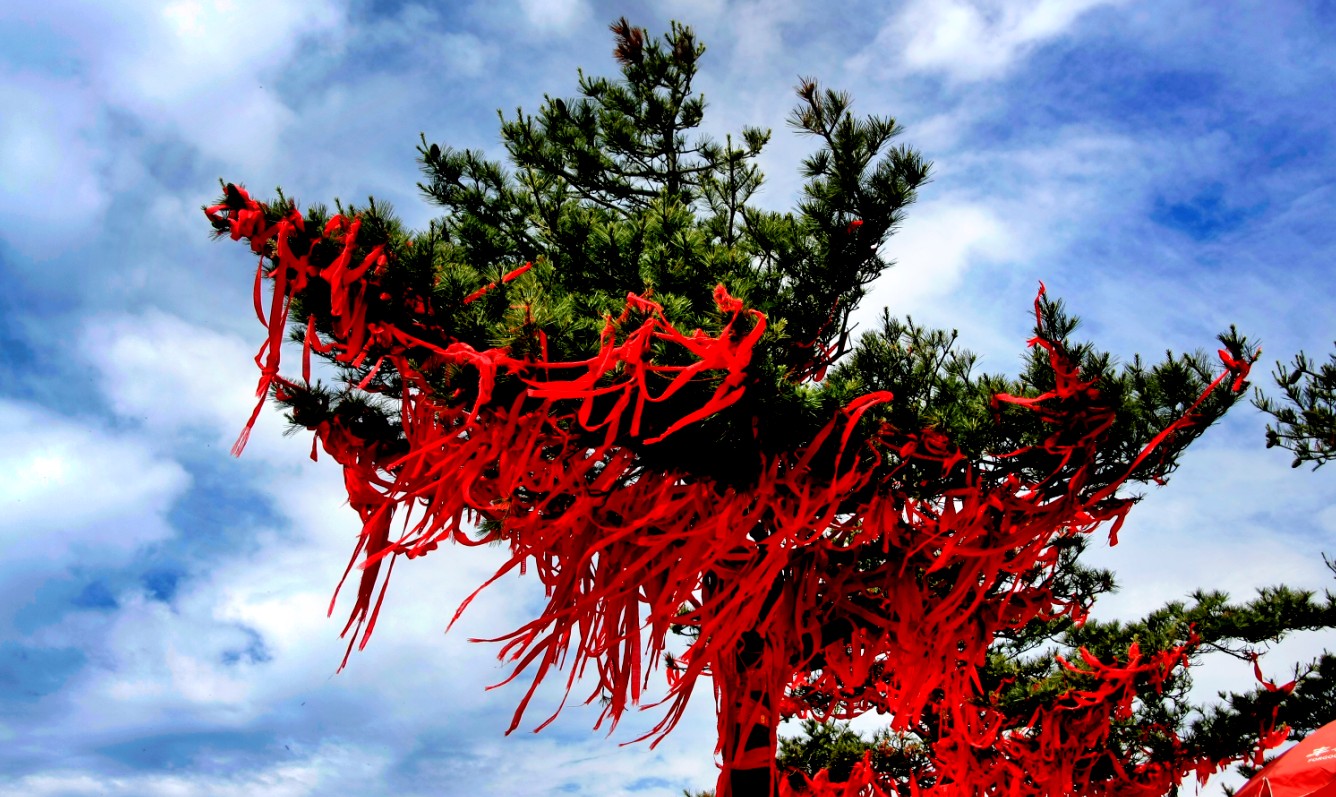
pixel 969 40
pixel 53 160
pixel 328 769
pixel 554 16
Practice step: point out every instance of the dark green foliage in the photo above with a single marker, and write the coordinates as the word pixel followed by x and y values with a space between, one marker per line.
pixel 836 748
pixel 935 387
pixel 1306 420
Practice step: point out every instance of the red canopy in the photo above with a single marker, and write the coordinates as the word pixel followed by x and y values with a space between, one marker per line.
pixel 1306 770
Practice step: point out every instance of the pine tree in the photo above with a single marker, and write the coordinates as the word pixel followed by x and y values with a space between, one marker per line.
pixel 607 358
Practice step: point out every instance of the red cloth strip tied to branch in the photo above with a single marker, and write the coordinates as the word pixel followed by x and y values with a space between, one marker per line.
pixel 624 556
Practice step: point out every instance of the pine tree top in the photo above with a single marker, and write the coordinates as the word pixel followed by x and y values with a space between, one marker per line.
pixel 604 197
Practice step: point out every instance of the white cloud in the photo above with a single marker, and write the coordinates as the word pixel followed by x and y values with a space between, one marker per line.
pixel 72 495
pixel 968 40
pixel 421 36
pixel 170 376
pixel 192 41
pixel 68 488
pixel 52 196
pixel 593 767
pixel 556 16
pixel 757 33
pixel 160 669
pixel 280 588
pixel 465 54
pixel 695 11
pixel 198 70
pixel 995 222
pixel 933 253
pixel 193 68
pixel 1234 517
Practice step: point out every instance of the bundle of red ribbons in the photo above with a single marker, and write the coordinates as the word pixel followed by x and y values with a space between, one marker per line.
pixel 625 556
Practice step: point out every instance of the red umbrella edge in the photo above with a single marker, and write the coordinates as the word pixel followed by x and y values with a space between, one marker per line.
pixel 1306 770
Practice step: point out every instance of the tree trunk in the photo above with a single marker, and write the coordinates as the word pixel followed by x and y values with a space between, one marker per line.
pixel 747 721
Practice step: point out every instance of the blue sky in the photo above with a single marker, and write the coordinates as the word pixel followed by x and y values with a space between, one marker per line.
pixel 1168 168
